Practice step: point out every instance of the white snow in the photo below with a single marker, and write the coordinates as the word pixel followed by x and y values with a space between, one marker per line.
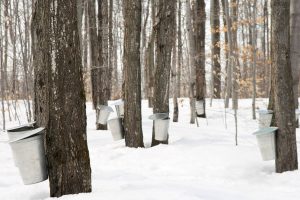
pixel 200 163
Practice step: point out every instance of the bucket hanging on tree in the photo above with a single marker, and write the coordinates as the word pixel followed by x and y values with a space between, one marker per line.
pixel 266 142
pixel 103 114
pixel 116 128
pixel 29 155
pixel 265 118
pixel 161 125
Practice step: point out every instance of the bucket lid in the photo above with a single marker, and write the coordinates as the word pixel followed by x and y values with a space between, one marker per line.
pixel 265 111
pixel 31 124
pixel 267 130
pixel 25 134
pixel 115 119
pixel 118 102
pixel 159 116
pixel 104 107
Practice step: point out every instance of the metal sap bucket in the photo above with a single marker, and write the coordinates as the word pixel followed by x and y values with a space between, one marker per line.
pixel 119 104
pixel 29 155
pixel 104 112
pixel 297 112
pixel 200 107
pixel 15 131
pixel 161 125
pixel 266 142
pixel 116 128
pixel 265 118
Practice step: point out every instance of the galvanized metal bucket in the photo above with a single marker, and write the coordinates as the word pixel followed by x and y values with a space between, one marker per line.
pixel 29 155
pixel 161 125
pixel 265 118
pixel 297 112
pixel 266 142
pixel 14 132
pixel 116 128
pixel 119 104
pixel 104 112
pixel 159 116
pixel 200 107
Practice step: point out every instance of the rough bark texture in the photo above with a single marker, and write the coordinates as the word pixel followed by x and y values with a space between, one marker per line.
pixel 173 79
pixel 215 49
pixel 179 57
pixel 227 90
pixel 176 65
pixel 150 63
pixel 59 96
pixel 199 34
pixel 295 46
pixel 93 49
pixel 110 49
pixel 191 48
pixel 102 73
pixel 132 67
pixel 254 52
pixel 164 29
pixel 105 77
pixel 2 79
pixel 234 55
pixel 286 146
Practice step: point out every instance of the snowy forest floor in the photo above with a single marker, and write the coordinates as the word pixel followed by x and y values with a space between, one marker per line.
pixel 200 163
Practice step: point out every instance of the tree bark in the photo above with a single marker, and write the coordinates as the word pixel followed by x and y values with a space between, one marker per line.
pixel 295 46
pixel 132 67
pixel 191 48
pixel 286 146
pixel 215 49
pixel 59 96
pixel 94 46
pixel 103 87
pixel 164 29
pixel 176 65
pixel 199 34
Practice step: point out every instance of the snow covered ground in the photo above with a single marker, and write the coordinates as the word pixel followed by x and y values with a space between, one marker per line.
pixel 200 163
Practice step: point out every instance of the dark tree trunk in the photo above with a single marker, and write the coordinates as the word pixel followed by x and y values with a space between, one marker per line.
pixel 286 146
pixel 132 67
pixel 110 49
pixel 164 29
pixel 93 48
pixel 175 66
pixel 295 47
pixel 199 34
pixel 215 51
pixel 226 94
pixel 102 78
pixel 59 96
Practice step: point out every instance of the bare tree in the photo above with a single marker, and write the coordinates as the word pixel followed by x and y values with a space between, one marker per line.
pixel 199 34
pixel 164 32
pixel 295 46
pixel 132 67
pixel 59 96
pixel 215 48
pixel 286 147
pixel 191 58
